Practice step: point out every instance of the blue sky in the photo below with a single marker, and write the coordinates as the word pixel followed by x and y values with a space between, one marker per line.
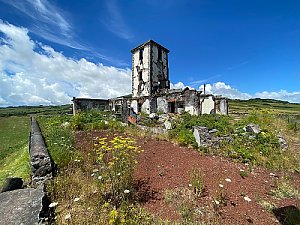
pixel 52 50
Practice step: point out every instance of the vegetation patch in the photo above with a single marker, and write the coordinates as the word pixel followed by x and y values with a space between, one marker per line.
pixel 14 155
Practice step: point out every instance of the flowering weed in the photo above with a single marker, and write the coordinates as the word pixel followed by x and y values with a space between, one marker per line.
pixel 117 159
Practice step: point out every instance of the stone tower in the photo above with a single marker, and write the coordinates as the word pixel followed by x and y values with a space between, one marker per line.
pixel 150 71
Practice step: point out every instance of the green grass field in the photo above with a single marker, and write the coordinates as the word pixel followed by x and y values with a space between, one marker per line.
pixel 14 156
pixel 279 107
pixel 36 110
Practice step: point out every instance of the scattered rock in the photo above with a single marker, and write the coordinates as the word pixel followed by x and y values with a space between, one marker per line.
pixel 252 128
pixel 213 131
pixel 168 125
pixel 282 142
pixel 228 180
pixel 153 116
pixel 202 136
pixel 12 183
pixel 22 206
pixel 246 198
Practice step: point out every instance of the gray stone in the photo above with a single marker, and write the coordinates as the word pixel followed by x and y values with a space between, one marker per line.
pixel 21 206
pixel 213 131
pixel 202 136
pixel 153 116
pixel 12 183
pixel 162 118
pixel 252 128
pixel 168 125
pixel 40 160
pixel 153 130
pixel 282 142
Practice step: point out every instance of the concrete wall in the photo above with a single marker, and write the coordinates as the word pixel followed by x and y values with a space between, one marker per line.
pixel 159 72
pixel 207 104
pixel 141 87
pixel 146 106
pixel 162 105
pixel 221 105
pixel 150 73
pixel 85 104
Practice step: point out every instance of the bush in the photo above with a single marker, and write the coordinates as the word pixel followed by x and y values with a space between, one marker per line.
pixel 95 120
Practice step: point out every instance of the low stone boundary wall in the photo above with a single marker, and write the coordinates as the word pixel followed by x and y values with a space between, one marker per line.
pixel 40 160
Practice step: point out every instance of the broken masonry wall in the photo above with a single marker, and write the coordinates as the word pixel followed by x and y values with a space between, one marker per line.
pixel 192 102
pixel 141 72
pixel 146 106
pixel 162 104
pixel 159 69
pixel 134 105
pixel 83 105
pixel 221 105
pixel 207 104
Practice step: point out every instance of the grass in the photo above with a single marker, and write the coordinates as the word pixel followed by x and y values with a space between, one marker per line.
pixel 284 189
pixel 279 107
pixel 14 156
pixel 16 165
pixel 35 110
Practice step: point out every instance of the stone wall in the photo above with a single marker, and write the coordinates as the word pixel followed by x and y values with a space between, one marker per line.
pixel 40 161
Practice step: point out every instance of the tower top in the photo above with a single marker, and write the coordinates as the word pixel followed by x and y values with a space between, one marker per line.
pixel 150 42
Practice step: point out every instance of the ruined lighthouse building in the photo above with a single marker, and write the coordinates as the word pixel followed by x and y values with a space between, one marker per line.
pixel 151 91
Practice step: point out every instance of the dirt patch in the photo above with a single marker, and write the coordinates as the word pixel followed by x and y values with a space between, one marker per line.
pixel 165 166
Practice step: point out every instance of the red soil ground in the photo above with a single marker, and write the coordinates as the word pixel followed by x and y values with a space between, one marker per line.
pixel 164 165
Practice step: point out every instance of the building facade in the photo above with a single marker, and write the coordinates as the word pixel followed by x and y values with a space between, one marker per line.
pixel 151 91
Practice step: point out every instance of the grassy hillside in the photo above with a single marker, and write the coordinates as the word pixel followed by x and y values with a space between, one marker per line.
pixel 14 156
pixel 280 107
pixel 35 110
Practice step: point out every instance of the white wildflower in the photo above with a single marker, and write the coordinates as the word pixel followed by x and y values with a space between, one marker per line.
pixel 92 174
pixel 99 177
pixel 76 199
pixel 118 174
pixel 221 185
pixel 68 216
pixel 190 185
pixel 217 202
pixel 241 170
pixel 53 204
pixel 228 180
pixel 76 160
pixel 126 191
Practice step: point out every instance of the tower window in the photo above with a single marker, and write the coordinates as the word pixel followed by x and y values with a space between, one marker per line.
pixel 140 75
pixel 159 57
pixel 141 54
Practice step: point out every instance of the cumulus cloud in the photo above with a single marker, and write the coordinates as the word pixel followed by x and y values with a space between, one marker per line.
pixel 226 90
pixel 32 73
pixel 220 88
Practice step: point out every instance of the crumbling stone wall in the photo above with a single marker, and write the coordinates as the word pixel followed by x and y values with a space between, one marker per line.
pixel 86 104
pixel 40 161
pixel 150 72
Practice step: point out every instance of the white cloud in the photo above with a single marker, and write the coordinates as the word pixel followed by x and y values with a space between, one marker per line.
pixel 223 89
pixel 178 85
pixel 32 73
pixel 47 21
pixel 220 88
